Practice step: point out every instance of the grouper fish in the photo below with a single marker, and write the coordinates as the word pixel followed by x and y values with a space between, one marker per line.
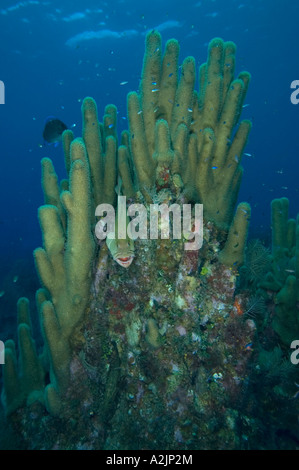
pixel 121 249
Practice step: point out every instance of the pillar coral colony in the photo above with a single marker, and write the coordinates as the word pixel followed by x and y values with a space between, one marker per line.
pixel 126 224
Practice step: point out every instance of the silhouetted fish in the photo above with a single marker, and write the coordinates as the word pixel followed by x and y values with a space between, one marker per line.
pixel 53 130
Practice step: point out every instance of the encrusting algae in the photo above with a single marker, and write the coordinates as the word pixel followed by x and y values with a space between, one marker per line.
pixel 154 356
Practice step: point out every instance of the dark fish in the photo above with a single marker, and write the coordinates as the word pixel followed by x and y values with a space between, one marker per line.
pixel 53 130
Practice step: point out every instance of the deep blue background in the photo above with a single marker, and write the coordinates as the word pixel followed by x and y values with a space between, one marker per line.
pixel 46 72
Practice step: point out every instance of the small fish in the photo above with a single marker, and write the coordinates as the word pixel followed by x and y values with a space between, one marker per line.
pixel 123 83
pixel 53 130
pixel 248 347
pixel 212 15
pixel 214 167
pixel 289 270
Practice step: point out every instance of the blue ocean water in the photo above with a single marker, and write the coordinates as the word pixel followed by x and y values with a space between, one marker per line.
pixel 55 53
